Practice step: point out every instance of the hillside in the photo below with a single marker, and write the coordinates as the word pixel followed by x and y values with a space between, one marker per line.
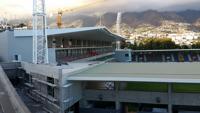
pixel 133 19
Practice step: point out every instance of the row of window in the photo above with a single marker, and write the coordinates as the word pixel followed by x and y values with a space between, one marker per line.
pixel 77 43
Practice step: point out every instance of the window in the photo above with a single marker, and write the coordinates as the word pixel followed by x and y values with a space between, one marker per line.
pixel 126 55
pixel 17 57
pixel 30 79
pixel 50 80
pixel 50 91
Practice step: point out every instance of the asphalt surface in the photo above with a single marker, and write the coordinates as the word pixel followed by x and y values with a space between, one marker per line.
pixel 5 103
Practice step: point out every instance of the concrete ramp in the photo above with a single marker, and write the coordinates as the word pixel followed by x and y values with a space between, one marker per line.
pixel 10 102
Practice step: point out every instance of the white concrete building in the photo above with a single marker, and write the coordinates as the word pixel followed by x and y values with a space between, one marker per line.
pixel 85 86
pixel 64 44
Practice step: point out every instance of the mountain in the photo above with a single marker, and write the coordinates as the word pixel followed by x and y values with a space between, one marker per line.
pixel 133 19
pixel 129 19
pixel 190 16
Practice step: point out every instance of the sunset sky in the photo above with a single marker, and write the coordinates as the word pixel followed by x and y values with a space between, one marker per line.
pixel 11 8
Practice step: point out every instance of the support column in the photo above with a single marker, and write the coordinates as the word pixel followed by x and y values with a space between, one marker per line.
pixel 61 94
pixel 198 56
pixel 172 56
pixel 53 42
pixel 169 98
pixel 82 47
pixel 117 103
pixel 189 57
pixel 145 58
pixel 163 58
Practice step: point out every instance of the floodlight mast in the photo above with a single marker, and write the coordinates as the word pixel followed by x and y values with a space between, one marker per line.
pixel 40 49
pixel 118 28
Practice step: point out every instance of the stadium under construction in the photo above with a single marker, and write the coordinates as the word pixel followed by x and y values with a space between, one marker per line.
pixel 86 74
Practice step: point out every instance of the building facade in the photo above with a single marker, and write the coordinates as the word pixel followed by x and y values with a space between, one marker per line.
pixel 64 44
pixel 115 87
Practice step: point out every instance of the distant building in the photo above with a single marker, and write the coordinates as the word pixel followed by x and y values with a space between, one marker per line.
pixel 183 39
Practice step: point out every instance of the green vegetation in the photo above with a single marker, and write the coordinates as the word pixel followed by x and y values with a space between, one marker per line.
pixel 159 43
pixel 163 87
pixel 196 44
pixel 132 107
pixel 184 88
pixel 157 87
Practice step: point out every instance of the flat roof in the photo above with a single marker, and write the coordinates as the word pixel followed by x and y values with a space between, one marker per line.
pixel 90 32
pixel 29 32
pixel 53 69
pixel 141 72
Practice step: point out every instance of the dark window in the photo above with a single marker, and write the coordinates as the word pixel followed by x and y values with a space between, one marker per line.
pixel 50 80
pixel 16 57
pixel 126 55
pixel 50 91
pixel 30 78
pixel 27 77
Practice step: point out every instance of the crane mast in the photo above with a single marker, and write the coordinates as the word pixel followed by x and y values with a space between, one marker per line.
pixel 67 10
pixel 40 49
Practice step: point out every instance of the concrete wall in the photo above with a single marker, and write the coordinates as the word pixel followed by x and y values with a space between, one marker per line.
pixel 46 70
pixel 126 96
pixel 4 37
pixel 11 46
pixel 42 88
pixel 13 65
pixel 11 69
pixel 123 55
pixel 52 55
pixel 17 103
pixel 188 99
pixel 21 46
pixel 96 110
pixel 66 95
pixel 39 81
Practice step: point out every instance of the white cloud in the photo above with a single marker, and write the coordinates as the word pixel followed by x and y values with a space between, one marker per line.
pixel 20 7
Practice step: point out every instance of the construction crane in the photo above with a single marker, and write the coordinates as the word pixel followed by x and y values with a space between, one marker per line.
pixel 67 10
pixel 40 49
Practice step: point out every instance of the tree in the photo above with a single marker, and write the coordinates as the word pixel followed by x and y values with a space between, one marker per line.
pixel 157 43
pixel 196 44
pixel 21 25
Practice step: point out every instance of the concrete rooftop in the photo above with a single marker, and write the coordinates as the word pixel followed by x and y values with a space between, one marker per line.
pixel 142 72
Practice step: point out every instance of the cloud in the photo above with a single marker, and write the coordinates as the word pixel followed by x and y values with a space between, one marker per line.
pixel 141 5
pixel 22 7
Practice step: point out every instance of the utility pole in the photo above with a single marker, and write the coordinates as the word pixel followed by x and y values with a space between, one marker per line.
pixel 40 49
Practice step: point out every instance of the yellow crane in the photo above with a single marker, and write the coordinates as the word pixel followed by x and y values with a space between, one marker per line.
pixel 67 10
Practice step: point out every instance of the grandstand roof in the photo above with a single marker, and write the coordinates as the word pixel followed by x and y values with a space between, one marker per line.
pixel 78 32
pixel 142 72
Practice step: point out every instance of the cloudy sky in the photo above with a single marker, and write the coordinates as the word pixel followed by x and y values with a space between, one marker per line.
pixel 15 8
